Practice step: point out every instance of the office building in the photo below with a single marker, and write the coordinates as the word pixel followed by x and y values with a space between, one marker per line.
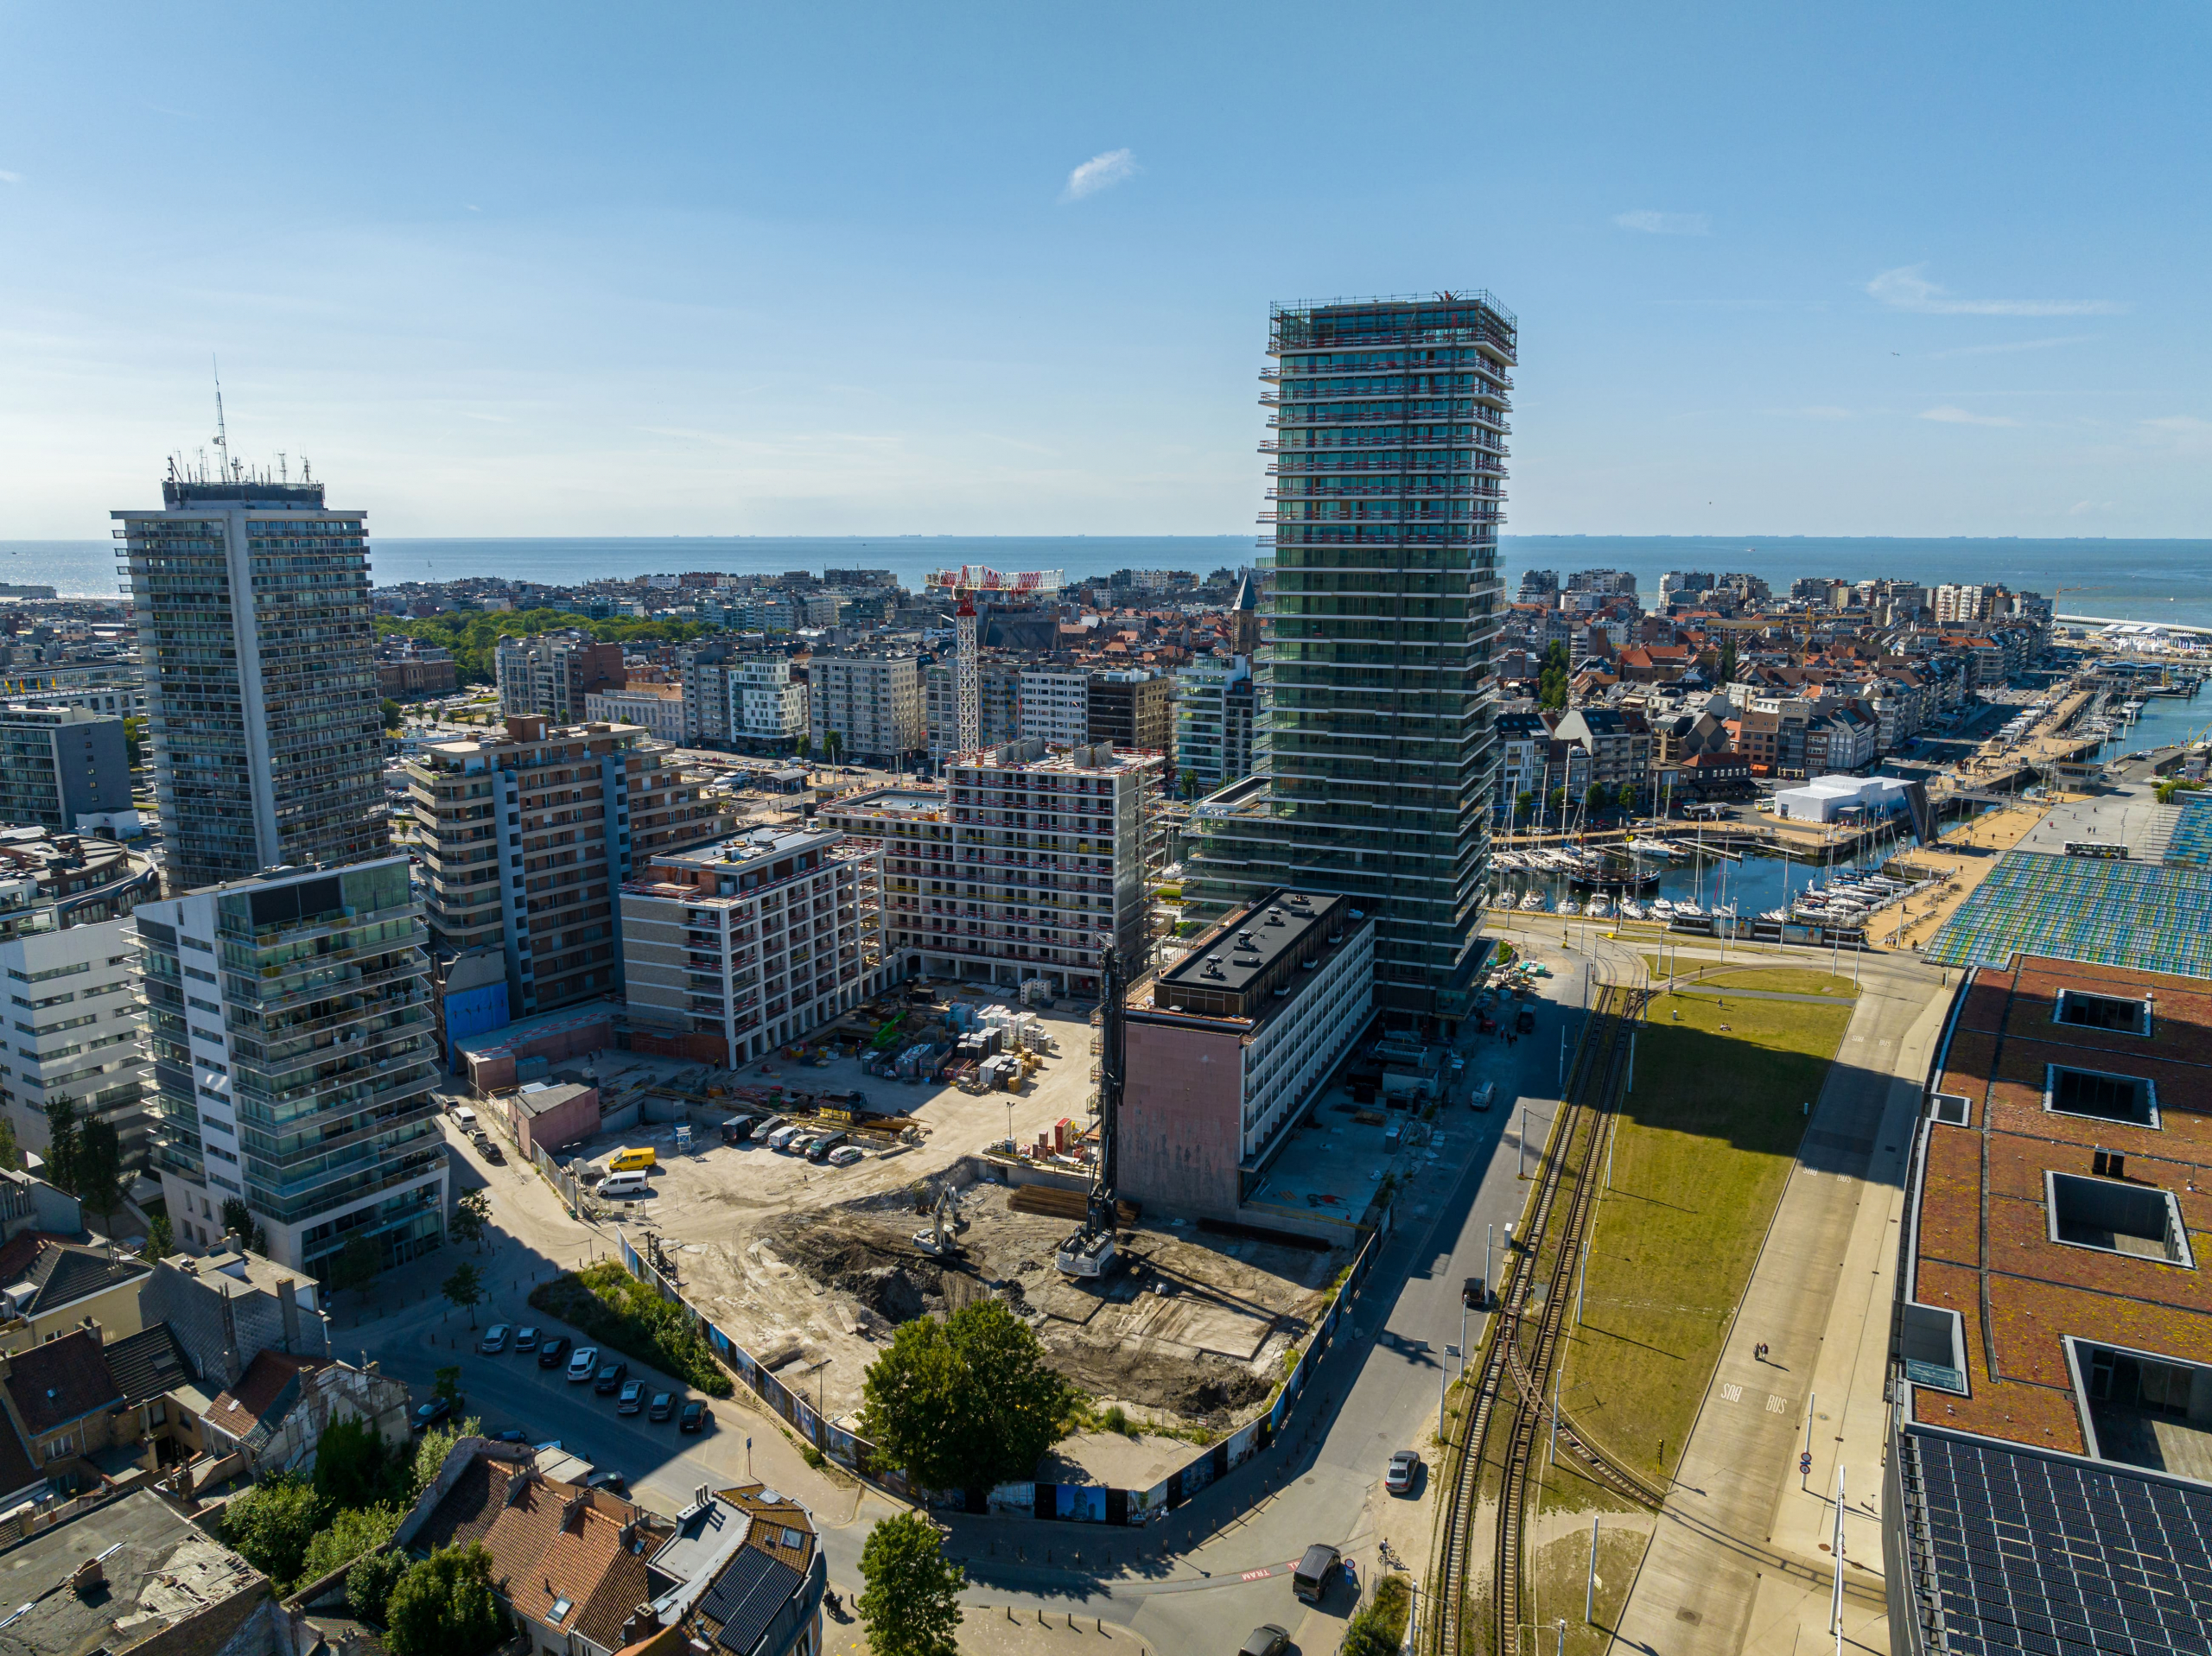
pixel 1025 865
pixel 1056 706
pixel 548 674
pixel 525 842
pixel 656 709
pixel 1215 723
pixel 1225 1047
pixel 293 1061
pixel 734 700
pixel 2049 1403
pixel 1132 707
pixel 1389 453
pixel 70 961
pixel 58 764
pixel 251 601
pixel 871 702
pixel 750 942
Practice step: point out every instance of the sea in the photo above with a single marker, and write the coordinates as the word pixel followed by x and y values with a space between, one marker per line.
pixel 2168 580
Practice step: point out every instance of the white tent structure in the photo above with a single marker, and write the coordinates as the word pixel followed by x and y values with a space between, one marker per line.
pixel 1825 798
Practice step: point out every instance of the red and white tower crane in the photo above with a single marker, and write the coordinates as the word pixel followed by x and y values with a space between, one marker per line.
pixel 964 583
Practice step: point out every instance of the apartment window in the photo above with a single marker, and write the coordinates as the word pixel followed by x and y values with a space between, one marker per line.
pixel 2115 1216
pixel 2109 1098
pixel 2112 1012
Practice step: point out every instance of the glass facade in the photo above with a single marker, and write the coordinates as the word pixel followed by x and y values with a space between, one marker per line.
pixel 312 1102
pixel 253 608
pixel 1388 467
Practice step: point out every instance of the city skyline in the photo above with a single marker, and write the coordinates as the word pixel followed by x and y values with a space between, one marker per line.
pixel 1852 287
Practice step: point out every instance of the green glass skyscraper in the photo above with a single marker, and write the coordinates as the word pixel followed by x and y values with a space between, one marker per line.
pixel 1389 466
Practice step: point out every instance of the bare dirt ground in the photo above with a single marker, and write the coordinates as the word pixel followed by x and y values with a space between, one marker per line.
pixel 810 1268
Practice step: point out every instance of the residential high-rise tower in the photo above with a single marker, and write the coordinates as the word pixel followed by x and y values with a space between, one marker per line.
pixel 252 599
pixel 1389 462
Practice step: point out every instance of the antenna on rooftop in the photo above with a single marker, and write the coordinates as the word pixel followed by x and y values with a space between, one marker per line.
pixel 283 472
pixel 222 431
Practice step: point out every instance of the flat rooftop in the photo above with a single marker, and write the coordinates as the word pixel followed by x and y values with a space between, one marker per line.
pixel 743 851
pixel 1234 955
pixel 160 1570
pixel 2072 1275
pixel 916 803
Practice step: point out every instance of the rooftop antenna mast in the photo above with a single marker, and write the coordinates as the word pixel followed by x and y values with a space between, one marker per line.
pixel 222 431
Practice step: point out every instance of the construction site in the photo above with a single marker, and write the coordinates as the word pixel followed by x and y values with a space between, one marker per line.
pixel 810 1266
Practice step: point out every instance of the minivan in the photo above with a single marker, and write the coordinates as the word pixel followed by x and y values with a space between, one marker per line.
pixel 1315 1571
pixel 631 1161
pixel 1484 1096
pixel 782 1136
pixel 624 1186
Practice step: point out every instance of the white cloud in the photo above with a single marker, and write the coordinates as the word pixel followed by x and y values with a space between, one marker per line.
pixel 1823 411
pixel 10 178
pixel 2183 433
pixel 1665 223
pixel 2016 345
pixel 1949 415
pixel 1101 172
pixel 1905 289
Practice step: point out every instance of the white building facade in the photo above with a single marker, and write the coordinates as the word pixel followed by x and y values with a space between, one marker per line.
pixel 1056 706
pixel 871 702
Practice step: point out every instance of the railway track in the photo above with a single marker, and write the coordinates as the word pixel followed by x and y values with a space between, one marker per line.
pixel 1511 1408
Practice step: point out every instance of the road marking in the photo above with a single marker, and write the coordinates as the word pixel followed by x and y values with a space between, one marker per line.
pixel 1775 1404
pixel 1734 1393
pixel 1257 1575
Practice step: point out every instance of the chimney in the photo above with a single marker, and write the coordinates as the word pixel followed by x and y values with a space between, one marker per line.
pixel 640 1624
pixel 90 1575
pixel 288 1306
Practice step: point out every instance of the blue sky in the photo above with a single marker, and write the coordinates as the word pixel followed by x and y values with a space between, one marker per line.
pixel 791 270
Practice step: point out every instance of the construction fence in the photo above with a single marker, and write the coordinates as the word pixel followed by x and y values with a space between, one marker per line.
pixel 1076 1503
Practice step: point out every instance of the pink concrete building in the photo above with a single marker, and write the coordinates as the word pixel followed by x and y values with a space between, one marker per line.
pixel 1227 1048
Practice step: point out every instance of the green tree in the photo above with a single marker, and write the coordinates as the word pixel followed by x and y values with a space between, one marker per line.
pixel 443 1606
pixel 160 1238
pixel 1552 673
pixel 369 1584
pixel 832 745
pixel 474 638
pixel 465 1290
pixel 353 1467
pixel 61 1152
pixel 237 1221
pixel 1596 798
pixel 433 1445
pixel 910 1604
pixel 1628 795
pixel 1559 799
pixel 1523 803
pixel 356 1265
pixel 392 717
pixel 471 1215
pixel 347 1536
pixel 965 1403
pixel 133 740
pixel 1727 658
pixel 272 1525
pixel 446 1383
pixel 100 1178
pixel 806 748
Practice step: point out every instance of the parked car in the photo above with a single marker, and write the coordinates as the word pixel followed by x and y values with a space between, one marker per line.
pixel 664 1406
pixel 493 1153
pixel 1267 1640
pixel 548 1353
pixel 1474 1294
pixel 465 1118
pixel 1484 1096
pixel 429 1414
pixel 610 1376
pixel 695 1416
pixel 1405 1465
pixel 1526 1022
pixel 583 1364
pixel 820 1149
pixel 633 1398
pixel 608 1479
pixel 526 1338
pixel 511 1435
pixel 846 1155
pixel 494 1341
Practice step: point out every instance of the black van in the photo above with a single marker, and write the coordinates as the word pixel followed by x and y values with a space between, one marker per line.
pixel 1315 1571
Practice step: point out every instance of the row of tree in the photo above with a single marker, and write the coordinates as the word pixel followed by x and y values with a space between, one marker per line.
pixel 472 638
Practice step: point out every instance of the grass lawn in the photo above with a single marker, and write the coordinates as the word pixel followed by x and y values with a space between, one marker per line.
pixel 1705 1145
pixel 1781 980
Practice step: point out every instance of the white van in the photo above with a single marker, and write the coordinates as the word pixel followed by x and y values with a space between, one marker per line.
pixel 1484 1096
pixel 782 1136
pixel 624 1186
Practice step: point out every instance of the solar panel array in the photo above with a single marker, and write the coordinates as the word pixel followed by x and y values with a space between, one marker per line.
pixel 2191 845
pixel 2150 917
pixel 2037 1556
pixel 751 1592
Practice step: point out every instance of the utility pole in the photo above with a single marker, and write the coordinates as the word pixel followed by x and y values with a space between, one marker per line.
pixel 1489 1241
pixel 1590 1585
pixel 1523 1171
pixel 1835 1609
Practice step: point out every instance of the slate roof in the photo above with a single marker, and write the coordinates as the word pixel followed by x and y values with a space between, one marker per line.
pixel 62 1381
pixel 63 1272
pixel 147 1364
